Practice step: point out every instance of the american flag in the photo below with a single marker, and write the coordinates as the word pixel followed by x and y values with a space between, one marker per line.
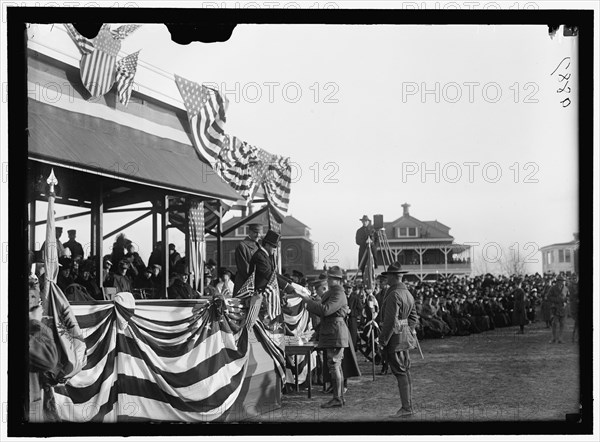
pixel 196 239
pixel 272 298
pixel 126 68
pixel 247 289
pixel 206 112
pixel 123 31
pixel 85 46
pixel 234 162
pixel 277 185
pixel 98 67
pixel 274 225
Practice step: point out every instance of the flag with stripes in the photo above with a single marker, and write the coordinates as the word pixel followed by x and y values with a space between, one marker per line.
pixel 125 73
pixel 98 67
pixel 124 31
pixel 206 110
pixel 297 324
pixel 234 165
pixel 85 45
pixel 180 362
pixel 196 237
pixel 277 185
pixel 247 289
pixel 272 298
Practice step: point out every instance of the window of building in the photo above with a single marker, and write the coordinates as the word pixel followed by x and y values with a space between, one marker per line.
pixel 567 255
pixel 549 257
pixel 241 231
pixel 561 255
pixel 231 258
pixel 405 232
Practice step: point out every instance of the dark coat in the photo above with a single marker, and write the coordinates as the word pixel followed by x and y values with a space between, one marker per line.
pixel 43 356
pixel 243 255
pixel 398 304
pixel 361 240
pixel 333 308
pixel 264 266
pixel 557 299
pixel 75 248
pixel 519 314
pixel 122 283
pixel 181 290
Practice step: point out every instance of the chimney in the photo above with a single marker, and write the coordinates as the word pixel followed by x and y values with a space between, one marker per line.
pixel 405 207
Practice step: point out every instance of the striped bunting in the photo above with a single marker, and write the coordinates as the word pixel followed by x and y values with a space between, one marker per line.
pixel 297 324
pixel 175 363
pixel 122 32
pixel 277 185
pixel 98 67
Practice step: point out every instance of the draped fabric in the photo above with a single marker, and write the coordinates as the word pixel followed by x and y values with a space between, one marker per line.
pixel 186 362
pixel 67 333
pixel 244 167
pixel 298 328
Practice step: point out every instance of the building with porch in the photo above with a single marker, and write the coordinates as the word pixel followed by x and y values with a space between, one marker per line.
pixel 424 248
pixel 561 257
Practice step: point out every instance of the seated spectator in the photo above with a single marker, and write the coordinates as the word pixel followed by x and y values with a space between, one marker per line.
pixel 107 275
pixel 180 289
pixel 209 288
pixel 88 282
pixel 120 280
pixel 225 285
pixel 64 278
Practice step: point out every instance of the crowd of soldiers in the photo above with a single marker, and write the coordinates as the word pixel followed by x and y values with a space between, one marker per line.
pixel 460 306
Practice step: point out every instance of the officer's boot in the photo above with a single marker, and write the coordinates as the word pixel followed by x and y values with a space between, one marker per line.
pixel 404 388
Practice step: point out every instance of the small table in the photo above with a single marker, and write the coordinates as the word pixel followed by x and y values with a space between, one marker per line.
pixel 304 350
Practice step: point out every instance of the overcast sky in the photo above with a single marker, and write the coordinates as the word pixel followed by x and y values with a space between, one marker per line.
pixel 349 106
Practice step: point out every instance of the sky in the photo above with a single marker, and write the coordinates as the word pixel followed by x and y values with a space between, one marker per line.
pixel 464 123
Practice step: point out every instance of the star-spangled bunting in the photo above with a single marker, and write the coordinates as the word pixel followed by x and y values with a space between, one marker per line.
pixel 125 72
pixel 244 167
pixel 99 57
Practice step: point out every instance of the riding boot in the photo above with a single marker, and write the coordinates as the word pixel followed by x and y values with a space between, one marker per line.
pixel 404 388
pixel 337 401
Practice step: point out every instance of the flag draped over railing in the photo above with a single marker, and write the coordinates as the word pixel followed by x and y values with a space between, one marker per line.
pixel 298 328
pixel 151 363
pixel 98 64
pixel 244 167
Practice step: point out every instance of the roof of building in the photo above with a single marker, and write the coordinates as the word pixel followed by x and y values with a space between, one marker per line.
pixel 428 229
pixel 562 244
pixel 94 145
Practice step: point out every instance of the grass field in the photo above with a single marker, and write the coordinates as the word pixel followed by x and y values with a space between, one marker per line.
pixel 492 376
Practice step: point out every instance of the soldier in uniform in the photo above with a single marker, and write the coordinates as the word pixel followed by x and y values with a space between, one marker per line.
pixel 574 305
pixel 557 297
pixel 333 332
pixel 243 254
pixel 75 247
pixel 398 310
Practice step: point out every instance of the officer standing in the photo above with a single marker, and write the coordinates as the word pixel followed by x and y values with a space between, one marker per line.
pixel 398 311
